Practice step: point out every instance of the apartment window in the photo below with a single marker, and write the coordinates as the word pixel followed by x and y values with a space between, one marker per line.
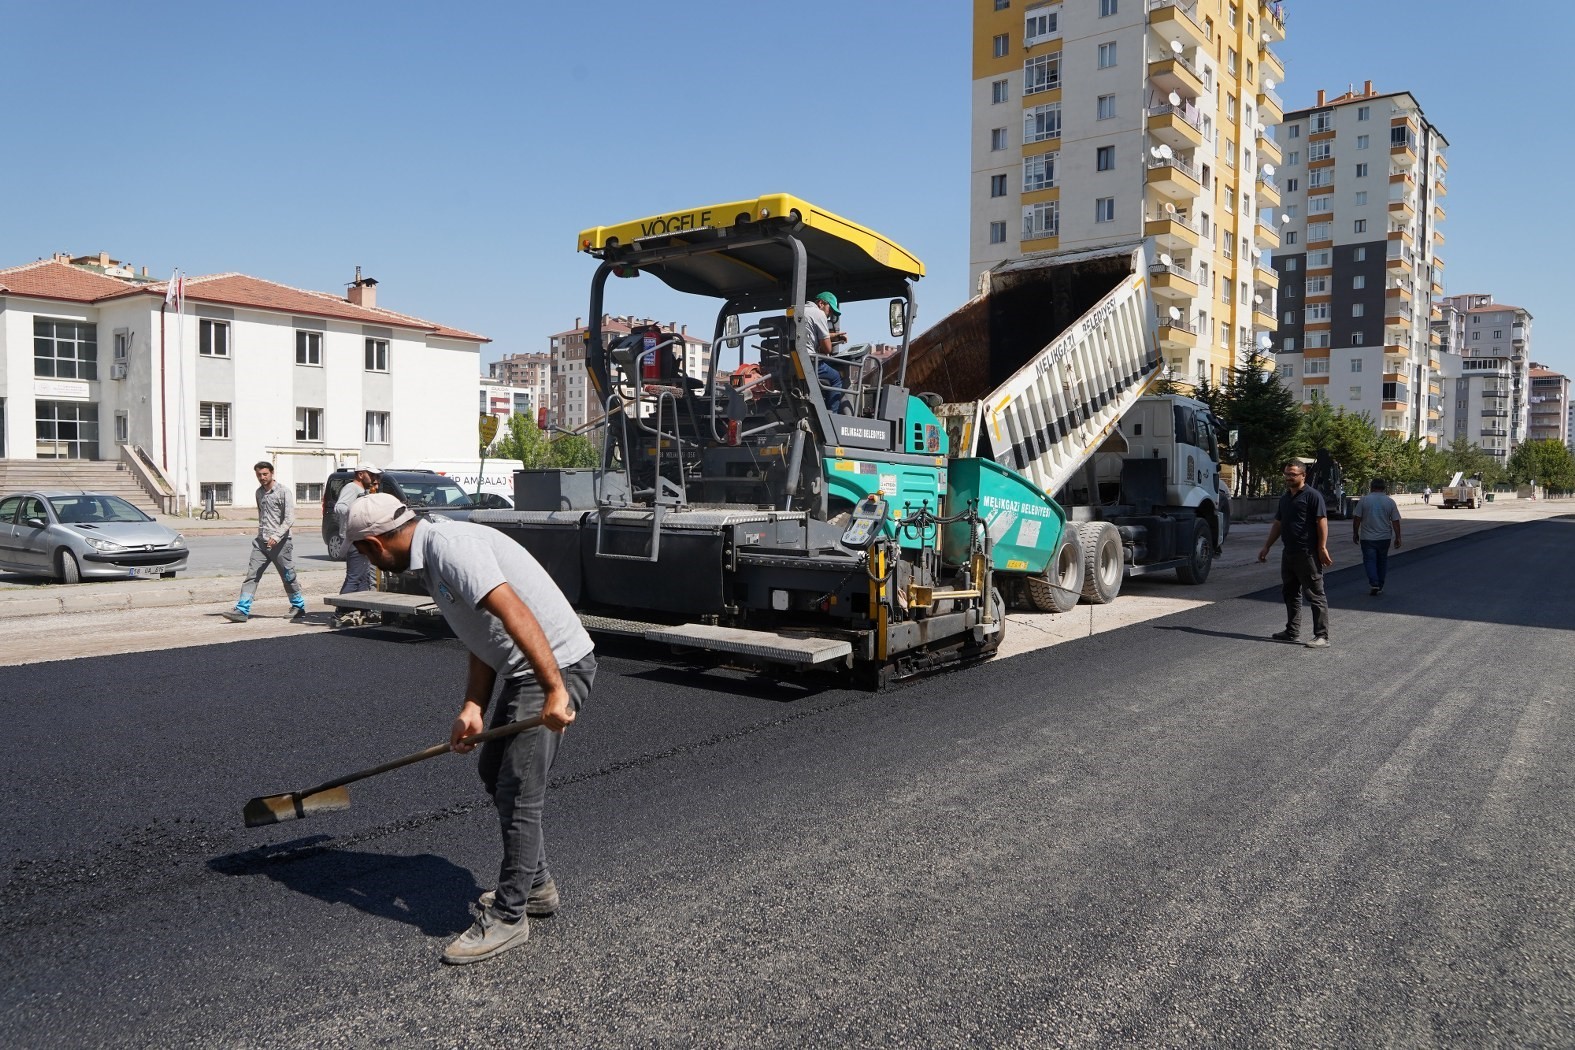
pixel 1231 14
pixel 308 491
pixel 213 419
pixel 308 424
pixel 1242 293
pixel 1107 55
pixel 1295 132
pixel 1042 220
pixel 1394 392
pixel 1290 346
pixel 1319 260
pixel 1107 8
pixel 1358 309
pixel 1317 340
pixel 1359 226
pixel 217 491
pixel 1357 339
pixel 1318 231
pixel 1291 265
pixel 1292 185
pixel 1317 151
pixel 1399 136
pixel 1361 171
pixel 1316 312
pixel 377 355
pixel 1356 364
pixel 1359 281
pixel 997 139
pixel 1000 91
pixel 1294 157
pixel 1364 112
pixel 1319 178
pixel 1287 371
pixel 1105 158
pixel 1230 60
pixel 1498 333
pixel 1224 334
pixel 1224 288
pixel 1316 366
pixel 1042 122
pixel 1039 172
pixel 998 233
pixel 1230 106
pixel 64 349
pixel 1322 122
pixel 1208 28
pixel 309 348
pixel 213 338
pixel 1002 5
pixel 377 428
pixel 1361 197
pixel 1041 23
pixel 1106 107
pixel 997 185
pixel 1291 211
pixel 1356 393
pixel 1042 73
pixel 1320 204
pixel 1359 255
pixel 1230 152
pixel 1361 141
pixel 1290 236
pixel 1001 45
pixel 1317 286
pixel 1105 209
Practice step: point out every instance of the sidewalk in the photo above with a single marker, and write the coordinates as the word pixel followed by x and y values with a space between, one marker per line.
pixel 157 594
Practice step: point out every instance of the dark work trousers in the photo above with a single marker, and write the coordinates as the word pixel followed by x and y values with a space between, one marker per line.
pixel 1375 559
pixel 1301 574
pixel 514 771
pixel 358 572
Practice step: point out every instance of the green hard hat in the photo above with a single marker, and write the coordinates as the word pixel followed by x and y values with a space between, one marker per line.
pixel 830 301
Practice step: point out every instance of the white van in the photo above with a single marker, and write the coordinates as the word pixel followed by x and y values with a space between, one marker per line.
pixel 497 477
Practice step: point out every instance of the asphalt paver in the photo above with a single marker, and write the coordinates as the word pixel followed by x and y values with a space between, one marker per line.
pixel 1176 832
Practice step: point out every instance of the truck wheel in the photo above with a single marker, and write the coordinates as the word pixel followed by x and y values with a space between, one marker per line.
pixel 1104 562
pixel 1057 588
pixel 1200 558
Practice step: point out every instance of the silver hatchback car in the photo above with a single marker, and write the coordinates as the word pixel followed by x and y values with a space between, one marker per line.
pixel 73 536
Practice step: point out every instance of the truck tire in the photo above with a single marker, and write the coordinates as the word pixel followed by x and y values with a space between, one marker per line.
pixel 1056 590
pixel 1200 557
pixel 1104 561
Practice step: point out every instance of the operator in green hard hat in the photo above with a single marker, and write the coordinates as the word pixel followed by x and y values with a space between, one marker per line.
pixel 821 314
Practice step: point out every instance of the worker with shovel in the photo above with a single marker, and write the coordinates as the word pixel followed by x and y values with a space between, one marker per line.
pixel 517 624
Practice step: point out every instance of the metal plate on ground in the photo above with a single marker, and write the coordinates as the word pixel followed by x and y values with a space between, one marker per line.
pixel 385 602
pixel 615 625
pixel 795 649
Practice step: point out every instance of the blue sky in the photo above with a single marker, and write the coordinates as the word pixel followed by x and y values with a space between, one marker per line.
pixel 454 151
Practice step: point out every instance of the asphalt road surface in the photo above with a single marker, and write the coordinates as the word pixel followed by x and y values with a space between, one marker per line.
pixel 1176 832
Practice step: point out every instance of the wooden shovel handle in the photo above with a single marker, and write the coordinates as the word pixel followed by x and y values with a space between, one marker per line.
pixel 431 752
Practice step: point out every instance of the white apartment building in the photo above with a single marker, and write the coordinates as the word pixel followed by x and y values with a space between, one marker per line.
pixel 533 372
pixel 573 399
pixel 1099 122
pixel 504 400
pixel 1363 177
pixel 1550 400
pixel 1489 403
pixel 96 364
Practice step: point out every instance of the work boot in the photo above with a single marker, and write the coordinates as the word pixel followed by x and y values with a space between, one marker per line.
pixel 235 615
pixel 299 615
pixel 1319 642
pixel 487 937
pixel 542 902
pixel 1283 636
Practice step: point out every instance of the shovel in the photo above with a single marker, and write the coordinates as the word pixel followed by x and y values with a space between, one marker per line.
pixel 333 796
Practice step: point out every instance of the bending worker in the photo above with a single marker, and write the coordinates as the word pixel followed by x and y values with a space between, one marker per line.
pixel 518 627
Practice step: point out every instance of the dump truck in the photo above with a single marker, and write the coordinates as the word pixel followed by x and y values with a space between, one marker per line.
pixel 1463 491
pixel 1044 372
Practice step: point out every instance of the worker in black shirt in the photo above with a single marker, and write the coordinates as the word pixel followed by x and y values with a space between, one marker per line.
pixel 1303 523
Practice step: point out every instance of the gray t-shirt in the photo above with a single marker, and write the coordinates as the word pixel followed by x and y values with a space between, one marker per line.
pixel 1379 514
pixel 462 563
pixel 347 495
pixel 816 327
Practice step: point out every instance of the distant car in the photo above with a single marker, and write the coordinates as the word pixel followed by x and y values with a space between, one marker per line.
pixel 426 492
pixel 74 536
pixel 491 501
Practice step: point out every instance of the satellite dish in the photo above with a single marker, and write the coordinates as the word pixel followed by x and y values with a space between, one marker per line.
pixel 1165 151
pixel 1153 151
pixel 1165 260
pixel 1268 171
pixel 1170 209
pixel 1175 47
pixel 1175 99
pixel 1268 83
pixel 1257 300
pixel 1285 218
pixel 1175 314
pixel 1264 340
pixel 1266 38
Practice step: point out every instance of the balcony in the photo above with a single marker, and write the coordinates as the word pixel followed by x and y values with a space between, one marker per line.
pixel 1261 318
pixel 1177 20
pixel 1271 108
pixel 1172 232
pixel 1496 432
pixel 1438 235
pixel 1268 149
pixel 1268 194
pixel 1517 334
pixel 1440 188
pixel 1177 335
pixel 1176 126
pixel 1172 282
pixel 1271 14
pixel 1403 155
pixel 1267 276
pixel 1402 210
pixel 1264 235
pixel 1439 215
pixel 1174 73
pixel 1175 179
pixel 1494 413
pixel 1269 64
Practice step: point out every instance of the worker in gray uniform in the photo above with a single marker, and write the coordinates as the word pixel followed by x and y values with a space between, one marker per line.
pixel 520 628
pixel 273 546
pixel 358 571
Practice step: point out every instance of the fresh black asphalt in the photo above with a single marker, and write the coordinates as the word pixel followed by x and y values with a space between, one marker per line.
pixel 1173 833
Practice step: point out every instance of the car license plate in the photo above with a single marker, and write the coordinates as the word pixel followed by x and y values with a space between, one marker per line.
pixel 144 570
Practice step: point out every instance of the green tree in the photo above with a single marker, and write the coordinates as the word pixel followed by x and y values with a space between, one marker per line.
pixel 1466 458
pixel 524 441
pixel 1432 468
pixel 573 450
pixel 1398 461
pixel 1547 463
pixel 1264 415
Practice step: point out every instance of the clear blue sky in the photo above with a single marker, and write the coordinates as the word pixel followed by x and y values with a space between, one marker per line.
pixel 454 150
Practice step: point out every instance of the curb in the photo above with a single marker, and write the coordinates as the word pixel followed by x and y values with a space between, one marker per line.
pixel 149 594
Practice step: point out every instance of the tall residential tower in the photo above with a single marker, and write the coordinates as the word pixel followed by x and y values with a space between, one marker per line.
pixel 1099 122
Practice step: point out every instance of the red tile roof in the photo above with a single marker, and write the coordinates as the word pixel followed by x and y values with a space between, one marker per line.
pixel 54 279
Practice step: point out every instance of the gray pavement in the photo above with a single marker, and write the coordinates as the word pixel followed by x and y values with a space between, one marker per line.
pixel 1170 833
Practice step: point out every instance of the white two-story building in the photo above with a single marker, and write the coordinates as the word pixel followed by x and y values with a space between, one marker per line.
pixel 95 359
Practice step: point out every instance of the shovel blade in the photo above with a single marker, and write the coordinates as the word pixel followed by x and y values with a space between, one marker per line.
pixel 276 809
